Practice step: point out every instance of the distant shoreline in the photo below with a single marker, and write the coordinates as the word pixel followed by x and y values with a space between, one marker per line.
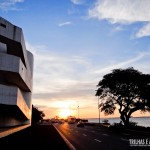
pixel 119 117
pixel 141 121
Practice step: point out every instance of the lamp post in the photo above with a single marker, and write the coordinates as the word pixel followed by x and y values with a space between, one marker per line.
pixel 99 111
pixel 78 110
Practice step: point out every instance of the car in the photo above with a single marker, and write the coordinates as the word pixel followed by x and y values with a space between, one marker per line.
pixel 80 124
pixel 89 124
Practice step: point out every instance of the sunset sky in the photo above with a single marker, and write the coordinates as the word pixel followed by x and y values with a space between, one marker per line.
pixel 75 43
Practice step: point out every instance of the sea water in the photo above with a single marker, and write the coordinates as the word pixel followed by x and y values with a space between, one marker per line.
pixel 141 121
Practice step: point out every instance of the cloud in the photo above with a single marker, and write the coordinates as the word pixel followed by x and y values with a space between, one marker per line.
pixel 56 76
pixel 63 78
pixel 123 12
pixel 144 31
pixel 55 73
pixel 64 23
pixel 77 2
pixel 7 5
pixel 116 29
pixel 60 78
pixel 126 63
pixel 16 1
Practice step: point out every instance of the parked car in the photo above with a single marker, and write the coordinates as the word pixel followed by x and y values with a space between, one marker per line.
pixel 80 124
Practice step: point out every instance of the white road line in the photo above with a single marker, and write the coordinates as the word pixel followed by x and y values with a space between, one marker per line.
pixel 97 140
pixel 125 134
pixel 84 134
pixel 105 134
pixel 65 139
pixel 124 139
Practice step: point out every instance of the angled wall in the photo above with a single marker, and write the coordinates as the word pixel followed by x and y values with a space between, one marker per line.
pixel 16 77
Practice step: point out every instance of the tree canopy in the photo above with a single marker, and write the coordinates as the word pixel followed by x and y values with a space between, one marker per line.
pixel 37 115
pixel 127 90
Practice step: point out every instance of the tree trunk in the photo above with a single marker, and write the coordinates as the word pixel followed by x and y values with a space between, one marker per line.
pixel 122 117
pixel 125 118
pixel 127 121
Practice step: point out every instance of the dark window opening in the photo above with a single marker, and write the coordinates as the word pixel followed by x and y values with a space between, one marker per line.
pixel 3 25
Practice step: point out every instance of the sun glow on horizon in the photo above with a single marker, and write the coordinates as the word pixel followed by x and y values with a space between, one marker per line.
pixel 66 108
pixel 64 113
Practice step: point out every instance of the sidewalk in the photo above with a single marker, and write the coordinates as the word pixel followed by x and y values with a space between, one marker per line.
pixel 39 137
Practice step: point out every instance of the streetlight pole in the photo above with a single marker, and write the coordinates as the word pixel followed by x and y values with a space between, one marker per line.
pixel 78 110
pixel 99 111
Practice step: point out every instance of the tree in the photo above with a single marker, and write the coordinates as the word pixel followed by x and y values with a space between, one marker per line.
pixel 128 90
pixel 37 115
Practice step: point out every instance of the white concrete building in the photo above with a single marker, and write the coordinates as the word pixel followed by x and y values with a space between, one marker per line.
pixel 16 77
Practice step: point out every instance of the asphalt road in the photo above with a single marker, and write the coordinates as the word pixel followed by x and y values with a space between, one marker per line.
pixel 36 137
pixel 99 138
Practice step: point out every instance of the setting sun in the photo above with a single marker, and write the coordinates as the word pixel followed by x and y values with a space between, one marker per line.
pixel 66 108
pixel 64 113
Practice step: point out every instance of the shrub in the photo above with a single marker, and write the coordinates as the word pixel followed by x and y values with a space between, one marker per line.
pixel 117 127
pixel 132 124
pixel 105 121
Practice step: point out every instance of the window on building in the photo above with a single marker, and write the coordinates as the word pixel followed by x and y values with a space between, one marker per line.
pixel 3 25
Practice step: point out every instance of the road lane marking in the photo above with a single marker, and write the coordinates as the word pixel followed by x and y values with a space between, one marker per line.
pixel 105 134
pixel 125 134
pixel 97 140
pixel 124 139
pixel 66 140
pixel 84 134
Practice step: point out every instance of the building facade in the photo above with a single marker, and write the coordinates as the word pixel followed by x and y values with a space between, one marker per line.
pixel 16 77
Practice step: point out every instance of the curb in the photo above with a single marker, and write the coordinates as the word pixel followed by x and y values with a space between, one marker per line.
pixel 64 138
pixel 137 132
pixel 7 131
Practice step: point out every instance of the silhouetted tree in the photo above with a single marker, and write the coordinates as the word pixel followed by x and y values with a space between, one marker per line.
pixel 37 115
pixel 128 90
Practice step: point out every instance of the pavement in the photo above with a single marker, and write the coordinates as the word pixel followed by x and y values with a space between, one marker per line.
pixel 40 137
pixel 37 137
